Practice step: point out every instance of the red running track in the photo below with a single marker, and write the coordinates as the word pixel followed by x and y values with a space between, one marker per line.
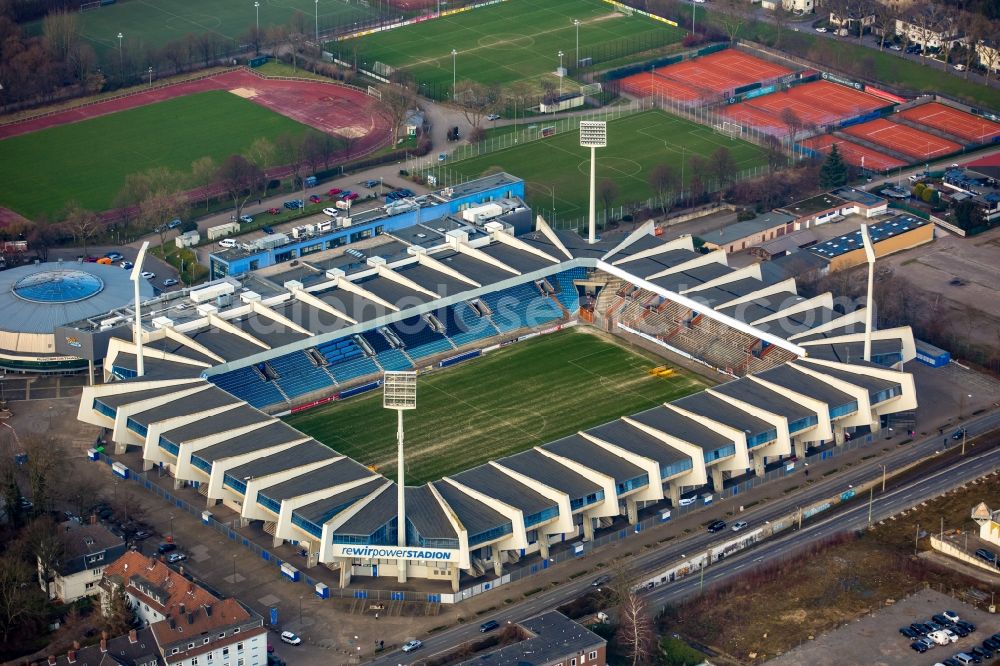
pixel 328 107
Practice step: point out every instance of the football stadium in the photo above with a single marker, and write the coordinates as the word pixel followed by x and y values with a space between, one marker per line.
pixel 507 317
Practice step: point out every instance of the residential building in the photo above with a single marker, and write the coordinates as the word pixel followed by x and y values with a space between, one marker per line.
pixel 920 25
pixel 137 648
pixel 552 639
pixel 190 626
pixel 989 523
pixel 88 549
pixel 834 206
pixel 988 52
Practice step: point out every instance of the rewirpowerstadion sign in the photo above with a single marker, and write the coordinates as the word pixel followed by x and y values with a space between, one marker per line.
pixel 396 553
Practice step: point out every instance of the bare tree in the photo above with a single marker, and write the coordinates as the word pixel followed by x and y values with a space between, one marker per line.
pixel 203 172
pixel 44 541
pixel 794 124
pixel 607 191
pixel 732 17
pixel 46 464
pixel 21 600
pixel 885 23
pixel 989 56
pixel 239 178
pixel 664 181
pixel 82 222
pixel 977 29
pixel 397 101
pixel 476 100
pixel 723 168
pixel 635 633
pixel 61 32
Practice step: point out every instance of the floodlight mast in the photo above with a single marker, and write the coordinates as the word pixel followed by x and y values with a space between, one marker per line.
pixel 869 306
pixel 593 134
pixel 399 392
pixel 137 332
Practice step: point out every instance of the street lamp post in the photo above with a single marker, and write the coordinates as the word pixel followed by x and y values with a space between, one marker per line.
pixel 121 57
pixel 576 22
pixel 234 568
pixel 171 527
pixel 150 77
pixel 317 23
pixel 560 72
pixel 453 72
pixel 256 6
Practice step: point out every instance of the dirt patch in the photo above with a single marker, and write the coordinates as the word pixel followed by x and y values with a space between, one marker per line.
pixel 245 93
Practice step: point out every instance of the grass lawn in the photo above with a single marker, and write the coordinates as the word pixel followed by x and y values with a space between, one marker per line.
pixel 146 24
pixel 89 160
pixel 512 41
pixel 507 401
pixel 555 169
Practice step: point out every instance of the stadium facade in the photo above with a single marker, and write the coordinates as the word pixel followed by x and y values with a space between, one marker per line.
pixel 224 360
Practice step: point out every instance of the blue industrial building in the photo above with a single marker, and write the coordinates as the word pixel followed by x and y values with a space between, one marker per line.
pixel 448 201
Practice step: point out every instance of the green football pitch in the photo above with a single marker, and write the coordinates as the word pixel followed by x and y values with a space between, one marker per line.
pixel 507 401
pixel 511 41
pixel 556 169
pixel 151 25
pixel 88 161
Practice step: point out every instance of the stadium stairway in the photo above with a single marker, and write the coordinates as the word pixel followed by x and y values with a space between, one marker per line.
pixel 512 307
pixel 386 356
pixel 419 339
pixel 464 326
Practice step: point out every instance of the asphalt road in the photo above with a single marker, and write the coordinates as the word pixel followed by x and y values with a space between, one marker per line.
pixel 658 559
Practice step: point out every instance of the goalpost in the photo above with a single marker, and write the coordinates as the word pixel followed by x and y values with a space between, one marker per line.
pixel 86 6
pixel 624 9
pixel 729 129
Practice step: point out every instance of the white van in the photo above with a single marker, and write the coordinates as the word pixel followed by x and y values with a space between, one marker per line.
pixel 227 242
pixel 939 637
pixel 966 658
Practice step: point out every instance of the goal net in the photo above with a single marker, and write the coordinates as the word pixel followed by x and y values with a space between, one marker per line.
pixel 87 6
pixel 375 92
pixel 728 128
pixel 624 9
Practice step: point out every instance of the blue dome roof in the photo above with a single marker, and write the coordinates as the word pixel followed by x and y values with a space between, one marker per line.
pixel 58 286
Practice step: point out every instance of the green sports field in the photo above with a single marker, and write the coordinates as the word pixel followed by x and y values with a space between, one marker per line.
pixel 89 160
pixel 507 401
pixel 151 25
pixel 556 169
pixel 512 41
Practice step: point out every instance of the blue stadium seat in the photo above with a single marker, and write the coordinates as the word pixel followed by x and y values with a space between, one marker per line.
pixel 247 384
pixel 388 358
pixel 348 370
pixel 465 325
pixel 519 307
pixel 419 339
pixel 297 375
pixel 567 293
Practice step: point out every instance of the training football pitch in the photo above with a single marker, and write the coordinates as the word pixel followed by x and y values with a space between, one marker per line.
pixel 145 24
pixel 511 41
pixel 506 401
pixel 556 168
pixel 88 161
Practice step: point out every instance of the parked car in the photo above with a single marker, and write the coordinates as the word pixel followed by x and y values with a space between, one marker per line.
pixel 142 535
pixel 333 191
pixel 127 265
pixel 895 47
pixel 290 638
pixel 149 275
pixel 821 29
pixel 917 646
pixel 986 555
pixel 332 212
pixel 601 580
pixel 370 183
pixel 493 116
pixel 991 644
pixel 958 434
pixel 294 204
pixel 717 526
pixel 981 652
pixel 688 501
pixel 227 242
pixel 90 259
pixel 314 198
pixel 169 282
pixel 964 624
pixel 114 256
pixel 351 196
pixel 489 626
pixel 273 211
pixel 173 558
pixel 951 615
pixel 174 223
pixel 410 646
pixel 166 548
pixel 739 525
pixel 959 67
pixel 267 230
pixel 442 157
pixel 247 219
pixel 908 632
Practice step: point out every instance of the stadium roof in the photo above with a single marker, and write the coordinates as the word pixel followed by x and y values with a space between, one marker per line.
pixel 548 472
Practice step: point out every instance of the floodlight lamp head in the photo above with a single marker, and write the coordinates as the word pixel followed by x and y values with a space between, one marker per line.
pixel 399 390
pixel 137 266
pixel 593 133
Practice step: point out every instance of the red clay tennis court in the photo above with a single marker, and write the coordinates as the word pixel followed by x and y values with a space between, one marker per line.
pixel 854 152
pixel 903 139
pixel 953 121
pixel 705 76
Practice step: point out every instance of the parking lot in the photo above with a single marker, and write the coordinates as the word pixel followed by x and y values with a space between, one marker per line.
pixel 875 638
